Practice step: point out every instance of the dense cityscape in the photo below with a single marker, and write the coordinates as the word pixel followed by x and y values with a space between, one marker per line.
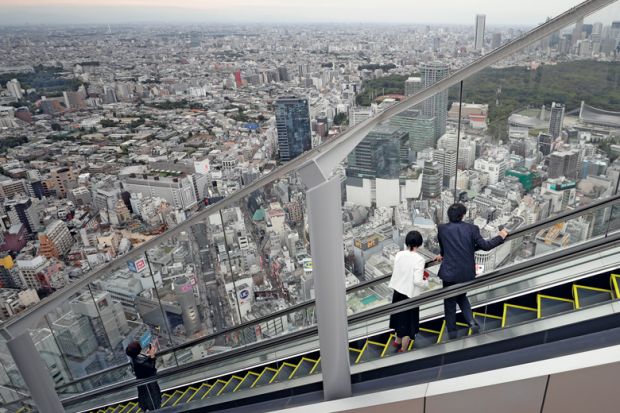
pixel 111 135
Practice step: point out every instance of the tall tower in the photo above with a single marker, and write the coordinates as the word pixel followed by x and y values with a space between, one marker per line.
pixel 556 120
pixel 184 291
pixel 480 21
pixel 293 124
pixel 577 32
pixel 437 105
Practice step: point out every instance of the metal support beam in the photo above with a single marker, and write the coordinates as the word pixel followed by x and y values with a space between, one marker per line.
pixel 325 222
pixel 35 374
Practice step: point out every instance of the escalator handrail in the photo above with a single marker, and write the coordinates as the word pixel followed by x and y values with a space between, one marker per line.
pixel 499 275
pixel 601 204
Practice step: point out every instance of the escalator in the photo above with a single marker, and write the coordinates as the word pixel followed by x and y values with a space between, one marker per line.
pixel 530 307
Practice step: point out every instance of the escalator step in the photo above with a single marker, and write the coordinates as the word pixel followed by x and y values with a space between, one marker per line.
pixel 515 314
pixel 188 394
pixel 585 296
pixel 487 322
pixel 549 305
pixel 353 355
pixel 201 393
pixel 130 407
pixel 372 351
pixel 283 373
pixel 426 338
pixel 264 377
pixel 247 382
pixel 232 384
pixel 462 330
pixel 172 399
pixel 215 389
pixel 304 368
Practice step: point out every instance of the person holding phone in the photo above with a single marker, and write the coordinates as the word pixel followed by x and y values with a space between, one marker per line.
pixel 143 364
pixel 408 280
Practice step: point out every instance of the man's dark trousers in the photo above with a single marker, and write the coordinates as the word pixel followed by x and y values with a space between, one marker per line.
pixel 450 310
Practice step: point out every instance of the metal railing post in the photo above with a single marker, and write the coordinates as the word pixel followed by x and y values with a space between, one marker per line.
pixel 326 235
pixel 35 373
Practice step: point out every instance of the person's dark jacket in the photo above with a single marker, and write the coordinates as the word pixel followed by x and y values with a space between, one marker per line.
pixel 149 395
pixel 458 242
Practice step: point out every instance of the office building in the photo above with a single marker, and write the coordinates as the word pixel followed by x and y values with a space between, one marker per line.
pixel 563 164
pixel 494 168
pixel 528 179
pixel 10 188
pixel 176 188
pixel 436 106
pixel 63 180
pixel 479 40
pixel 413 85
pixel 73 100
pixel 110 321
pixel 545 143
pixel 432 177
pixel 293 125
pixel 496 41
pixel 420 129
pixel 56 241
pixel 29 269
pixel 379 154
pixel 556 120
pixel 447 159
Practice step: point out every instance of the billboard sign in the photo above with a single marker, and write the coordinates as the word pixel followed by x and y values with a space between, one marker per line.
pixel 137 266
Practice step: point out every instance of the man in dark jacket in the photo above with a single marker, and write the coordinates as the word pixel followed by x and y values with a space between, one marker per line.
pixel 458 242
pixel 149 395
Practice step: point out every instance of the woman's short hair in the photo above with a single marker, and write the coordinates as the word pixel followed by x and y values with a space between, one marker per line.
pixel 133 349
pixel 413 239
pixel 456 212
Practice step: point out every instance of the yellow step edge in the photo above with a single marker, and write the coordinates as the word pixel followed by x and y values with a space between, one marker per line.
pixel 359 356
pixel 520 307
pixel 540 297
pixel 250 373
pixel 388 344
pixel 355 350
pixel 228 382
pixel 443 330
pixel 184 393
pixel 315 366
pixel 108 409
pixel 487 315
pixel 290 376
pixel 280 369
pixel 261 375
pixel 615 284
pixel 577 287
pixel 170 398
pixel 428 330
pixel 132 404
pixel 197 391
pixel 212 386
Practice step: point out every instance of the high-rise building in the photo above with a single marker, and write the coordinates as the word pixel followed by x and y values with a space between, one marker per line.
pixel 479 41
pixel 563 164
pixel 184 292
pixel 14 88
pixel 21 211
pixel 283 73
pixel 379 154
pixel 447 159
pixel 110 321
pixel 420 128
pixel 545 142
pixel 431 179
pixel 556 120
pixel 56 241
pixel 413 85
pixel 577 30
pixel 436 106
pixel 293 124
pixel 63 180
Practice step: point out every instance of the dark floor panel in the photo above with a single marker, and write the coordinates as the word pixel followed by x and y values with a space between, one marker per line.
pixel 550 306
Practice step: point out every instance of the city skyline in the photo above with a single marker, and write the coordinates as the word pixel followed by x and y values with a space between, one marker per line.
pixel 527 13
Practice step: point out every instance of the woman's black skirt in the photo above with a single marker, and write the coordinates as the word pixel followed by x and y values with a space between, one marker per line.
pixel 405 323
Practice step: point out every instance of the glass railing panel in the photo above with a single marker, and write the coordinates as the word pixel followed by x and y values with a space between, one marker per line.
pixel 12 386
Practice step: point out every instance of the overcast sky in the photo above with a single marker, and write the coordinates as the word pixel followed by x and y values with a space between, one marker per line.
pixel 499 12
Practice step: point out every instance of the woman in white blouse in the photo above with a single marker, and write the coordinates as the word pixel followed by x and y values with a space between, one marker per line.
pixel 408 280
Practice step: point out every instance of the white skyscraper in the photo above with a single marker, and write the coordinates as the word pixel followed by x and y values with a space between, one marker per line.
pixel 14 88
pixel 480 21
